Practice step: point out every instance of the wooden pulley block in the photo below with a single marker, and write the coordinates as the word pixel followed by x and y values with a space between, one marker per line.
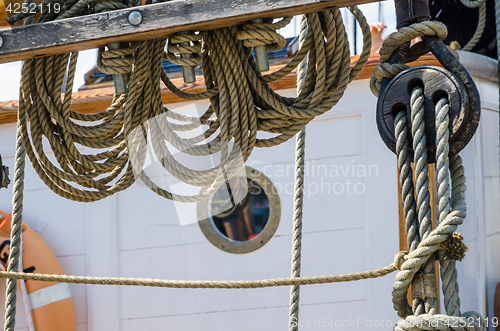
pixel 437 82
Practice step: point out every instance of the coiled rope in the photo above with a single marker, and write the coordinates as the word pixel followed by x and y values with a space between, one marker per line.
pixel 242 104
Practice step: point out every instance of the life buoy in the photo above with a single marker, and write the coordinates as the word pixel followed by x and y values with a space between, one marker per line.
pixel 51 303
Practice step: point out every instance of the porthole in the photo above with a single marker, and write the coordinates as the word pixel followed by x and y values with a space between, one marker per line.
pixel 244 226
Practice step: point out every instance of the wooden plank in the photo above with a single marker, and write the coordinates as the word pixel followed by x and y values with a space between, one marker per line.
pixel 94 101
pixel 159 20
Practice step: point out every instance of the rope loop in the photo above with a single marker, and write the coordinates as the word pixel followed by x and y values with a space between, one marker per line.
pixel 263 34
pixel 117 61
pixel 407 34
pixel 473 3
pixel 400 258
pixel 470 321
pixel 398 39
pixel 180 45
pixel 384 70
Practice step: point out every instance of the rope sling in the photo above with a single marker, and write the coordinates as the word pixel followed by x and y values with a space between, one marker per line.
pixel 241 105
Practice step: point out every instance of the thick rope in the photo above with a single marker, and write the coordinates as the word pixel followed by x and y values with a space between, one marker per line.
pixel 398 39
pixel 448 270
pixel 250 284
pixel 298 197
pixel 422 189
pixel 480 24
pixel 406 181
pixel 15 235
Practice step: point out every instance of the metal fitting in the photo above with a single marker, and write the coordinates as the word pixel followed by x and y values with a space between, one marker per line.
pixel 119 79
pixel 188 73
pixel 135 18
pixel 261 53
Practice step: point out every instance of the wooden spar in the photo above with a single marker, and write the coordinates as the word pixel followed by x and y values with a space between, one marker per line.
pixel 93 101
pixel 159 21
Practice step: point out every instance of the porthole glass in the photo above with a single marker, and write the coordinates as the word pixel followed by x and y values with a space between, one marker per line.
pixel 241 223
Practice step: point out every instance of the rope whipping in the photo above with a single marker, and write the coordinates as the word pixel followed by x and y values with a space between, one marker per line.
pixel 298 197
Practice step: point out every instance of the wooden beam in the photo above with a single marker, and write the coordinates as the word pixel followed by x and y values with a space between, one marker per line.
pixel 159 21
pixel 94 101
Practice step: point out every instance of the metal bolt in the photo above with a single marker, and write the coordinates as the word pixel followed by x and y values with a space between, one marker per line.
pixel 119 79
pixel 187 72
pixel 1 41
pixel 135 18
pixel 261 53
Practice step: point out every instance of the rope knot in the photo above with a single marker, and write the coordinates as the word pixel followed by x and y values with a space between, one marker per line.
pixel 117 61
pixel 400 258
pixel 398 39
pixel 407 34
pixel 262 34
pixel 184 49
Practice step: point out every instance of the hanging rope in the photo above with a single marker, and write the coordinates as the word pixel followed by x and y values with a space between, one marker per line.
pixel 209 284
pixel 15 234
pixel 298 197
pixel 481 4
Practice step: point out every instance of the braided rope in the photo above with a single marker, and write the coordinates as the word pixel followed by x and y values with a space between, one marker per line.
pixel 422 189
pixel 263 34
pixel 223 284
pixel 480 24
pixel 398 39
pixel 15 235
pixel 448 270
pixel 406 181
pixel 298 198
pixel 450 214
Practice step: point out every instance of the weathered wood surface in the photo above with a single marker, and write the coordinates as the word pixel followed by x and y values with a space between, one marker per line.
pixel 159 20
pixel 93 101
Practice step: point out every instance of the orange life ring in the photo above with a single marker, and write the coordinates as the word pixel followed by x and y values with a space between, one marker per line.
pixel 51 303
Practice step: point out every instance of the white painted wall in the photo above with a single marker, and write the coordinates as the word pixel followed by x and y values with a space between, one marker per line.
pixel 137 234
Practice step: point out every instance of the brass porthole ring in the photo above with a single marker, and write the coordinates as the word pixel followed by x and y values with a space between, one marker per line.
pixel 221 241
